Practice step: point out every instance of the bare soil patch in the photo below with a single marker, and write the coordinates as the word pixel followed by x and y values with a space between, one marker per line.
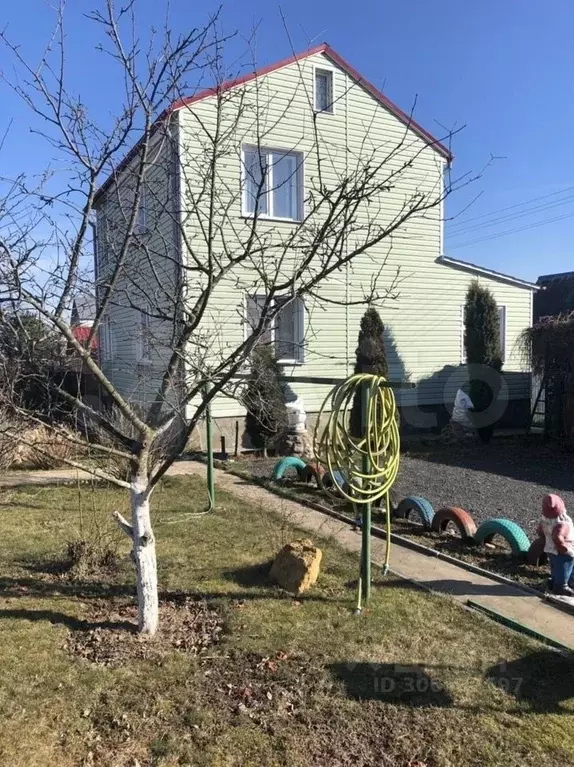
pixel 110 637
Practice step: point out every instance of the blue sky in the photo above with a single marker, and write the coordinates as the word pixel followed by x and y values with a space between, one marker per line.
pixel 503 69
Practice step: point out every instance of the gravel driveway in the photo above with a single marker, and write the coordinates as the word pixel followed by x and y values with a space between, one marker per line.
pixel 506 478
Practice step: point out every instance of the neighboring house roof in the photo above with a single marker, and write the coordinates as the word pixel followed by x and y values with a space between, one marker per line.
pixel 481 270
pixel 324 48
pixel 556 295
pixel 551 277
pixel 81 333
pixel 83 309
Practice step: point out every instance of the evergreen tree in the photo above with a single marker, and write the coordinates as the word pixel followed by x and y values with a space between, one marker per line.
pixel 371 358
pixel 482 345
pixel 266 418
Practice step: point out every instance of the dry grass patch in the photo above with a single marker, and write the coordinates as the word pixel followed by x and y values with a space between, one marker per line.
pixel 243 674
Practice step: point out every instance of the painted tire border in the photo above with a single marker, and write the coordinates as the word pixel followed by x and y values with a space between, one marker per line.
pixel 291 462
pixel 465 524
pixel 419 505
pixel 512 533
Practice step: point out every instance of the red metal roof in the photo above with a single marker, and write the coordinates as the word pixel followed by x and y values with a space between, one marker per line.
pixel 81 333
pixel 322 48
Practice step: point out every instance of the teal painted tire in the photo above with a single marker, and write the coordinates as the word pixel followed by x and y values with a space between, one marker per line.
pixel 415 504
pixel 291 462
pixel 512 533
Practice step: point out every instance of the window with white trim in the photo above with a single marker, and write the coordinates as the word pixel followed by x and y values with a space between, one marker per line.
pixel 272 183
pixel 324 90
pixel 106 338
pixel 502 323
pixel 143 353
pixel 502 330
pixel 287 331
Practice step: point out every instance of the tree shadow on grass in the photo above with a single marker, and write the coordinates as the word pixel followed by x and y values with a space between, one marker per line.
pixel 541 681
pixel 253 589
pixel 72 623
pixel 24 586
pixel 256 576
pixel 22 503
pixel 391 683
pixel 250 576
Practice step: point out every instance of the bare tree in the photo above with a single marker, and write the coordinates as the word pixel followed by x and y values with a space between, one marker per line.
pixel 182 222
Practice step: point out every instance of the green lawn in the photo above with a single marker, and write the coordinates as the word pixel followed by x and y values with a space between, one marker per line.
pixel 415 681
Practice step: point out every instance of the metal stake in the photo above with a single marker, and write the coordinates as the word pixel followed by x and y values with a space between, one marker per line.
pixel 209 437
pixel 366 526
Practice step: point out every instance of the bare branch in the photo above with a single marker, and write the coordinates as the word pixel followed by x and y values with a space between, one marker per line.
pixel 123 524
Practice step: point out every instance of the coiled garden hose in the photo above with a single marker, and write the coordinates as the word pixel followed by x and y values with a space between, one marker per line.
pixel 363 465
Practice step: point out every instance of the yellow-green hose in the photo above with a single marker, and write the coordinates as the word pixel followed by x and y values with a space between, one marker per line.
pixel 344 455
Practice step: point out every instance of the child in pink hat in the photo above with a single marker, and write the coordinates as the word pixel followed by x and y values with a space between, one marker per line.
pixel 557 528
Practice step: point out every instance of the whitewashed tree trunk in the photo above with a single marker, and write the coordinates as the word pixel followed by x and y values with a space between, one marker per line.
pixel 144 557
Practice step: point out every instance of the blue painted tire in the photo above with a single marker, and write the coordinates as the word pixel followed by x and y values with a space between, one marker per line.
pixel 512 533
pixel 291 462
pixel 328 479
pixel 415 504
pixel 328 484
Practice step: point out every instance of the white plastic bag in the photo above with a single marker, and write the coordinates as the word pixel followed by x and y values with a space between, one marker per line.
pixel 460 414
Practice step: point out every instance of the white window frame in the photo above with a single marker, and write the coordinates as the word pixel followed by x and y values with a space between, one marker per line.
pixel 502 321
pixel 299 344
pixel 141 224
pixel 329 70
pixel 106 337
pixel 300 180
pixel 143 340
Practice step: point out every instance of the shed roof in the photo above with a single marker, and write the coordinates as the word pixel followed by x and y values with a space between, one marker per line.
pixel 482 270
pixel 556 295
pixel 551 277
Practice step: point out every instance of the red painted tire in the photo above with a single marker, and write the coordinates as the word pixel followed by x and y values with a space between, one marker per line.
pixel 313 471
pixel 536 555
pixel 459 517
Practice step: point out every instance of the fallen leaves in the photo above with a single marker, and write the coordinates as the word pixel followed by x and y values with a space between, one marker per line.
pixel 186 625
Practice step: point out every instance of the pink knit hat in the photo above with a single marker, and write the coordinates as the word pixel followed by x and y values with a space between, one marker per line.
pixel 553 506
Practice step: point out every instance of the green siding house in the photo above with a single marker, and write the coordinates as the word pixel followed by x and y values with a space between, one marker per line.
pixel 278 130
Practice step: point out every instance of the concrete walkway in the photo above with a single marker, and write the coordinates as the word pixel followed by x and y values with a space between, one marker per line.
pixel 428 571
